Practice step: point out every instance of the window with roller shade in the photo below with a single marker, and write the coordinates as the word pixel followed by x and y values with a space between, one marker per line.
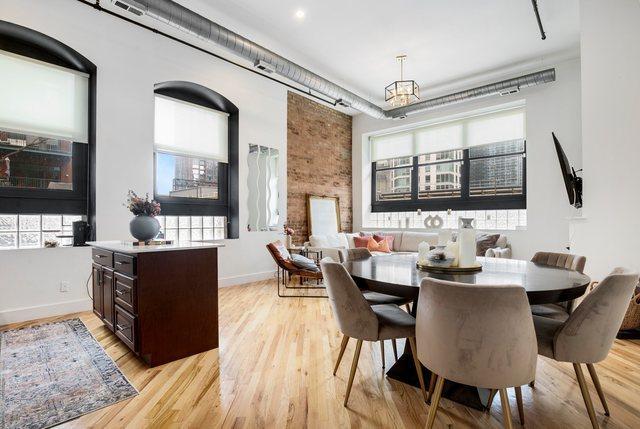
pixel 44 131
pixel 476 163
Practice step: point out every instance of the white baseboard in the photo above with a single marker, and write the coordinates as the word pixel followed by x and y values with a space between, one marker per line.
pixel 246 278
pixel 48 310
pixel 41 311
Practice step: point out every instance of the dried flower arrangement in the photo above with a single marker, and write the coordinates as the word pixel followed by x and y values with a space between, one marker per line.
pixel 142 206
pixel 288 230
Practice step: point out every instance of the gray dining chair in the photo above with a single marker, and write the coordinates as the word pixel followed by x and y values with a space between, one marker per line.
pixel 375 298
pixel 588 334
pixel 561 310
pixel 358 319
pixel 478 335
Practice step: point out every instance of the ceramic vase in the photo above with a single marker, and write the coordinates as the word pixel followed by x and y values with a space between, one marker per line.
pixel 144 228
pixel 467 243
pixel 288 241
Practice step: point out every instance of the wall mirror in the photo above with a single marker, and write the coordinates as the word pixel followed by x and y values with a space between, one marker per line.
pixel 263 199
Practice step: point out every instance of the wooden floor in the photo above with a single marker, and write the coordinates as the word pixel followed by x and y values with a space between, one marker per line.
pixel 273 369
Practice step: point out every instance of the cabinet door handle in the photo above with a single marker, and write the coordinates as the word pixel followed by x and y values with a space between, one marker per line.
pixel 122 328
pixel 120 293
pixel 98 256
pixel 122 263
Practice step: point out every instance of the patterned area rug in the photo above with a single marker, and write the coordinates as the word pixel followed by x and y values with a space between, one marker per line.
pixel 53 373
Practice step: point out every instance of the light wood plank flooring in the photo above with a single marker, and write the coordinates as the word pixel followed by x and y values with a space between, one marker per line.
pixel 273 369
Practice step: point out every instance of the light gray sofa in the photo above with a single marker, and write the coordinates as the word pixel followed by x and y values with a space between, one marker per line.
pixel 403 241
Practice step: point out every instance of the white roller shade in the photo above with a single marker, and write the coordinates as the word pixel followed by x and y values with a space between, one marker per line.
pixel 392 146
pixel 500 127
pixel 488 128
pixel 439 138
pixel 189 129
pixel 43 99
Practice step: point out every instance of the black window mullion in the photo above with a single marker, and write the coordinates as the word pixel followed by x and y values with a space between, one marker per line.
pixel 374 183
pixel 465 176
pixel 414 180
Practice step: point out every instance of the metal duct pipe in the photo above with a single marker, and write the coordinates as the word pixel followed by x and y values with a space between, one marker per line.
pixel 172 13
pixel 502 87
pixel 178 16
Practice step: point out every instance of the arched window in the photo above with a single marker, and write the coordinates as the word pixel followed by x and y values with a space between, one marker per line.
pixel 47 137
pixel 196 161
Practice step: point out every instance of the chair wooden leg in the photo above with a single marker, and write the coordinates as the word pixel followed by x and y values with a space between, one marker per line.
pixel 416 362
pixel 343 346
pixel 596 383
pixel 506 410
pixel 354 365
pixel 382 353
pixel 432 386
pixel 585 395
pixel 518 390
pixel 492 394
pixel 433 408
pixel 395 348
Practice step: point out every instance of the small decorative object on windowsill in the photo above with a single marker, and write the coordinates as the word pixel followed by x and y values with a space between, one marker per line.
pixel 144 226
pixel 51 243
pixel 288 237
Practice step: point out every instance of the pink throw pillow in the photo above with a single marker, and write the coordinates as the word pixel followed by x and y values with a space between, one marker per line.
pixel 387 238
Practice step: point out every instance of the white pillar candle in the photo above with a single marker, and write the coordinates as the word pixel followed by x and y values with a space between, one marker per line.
pixel 444 237
pixel 454 249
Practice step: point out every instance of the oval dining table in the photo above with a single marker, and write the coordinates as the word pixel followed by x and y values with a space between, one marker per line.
pixel 397 274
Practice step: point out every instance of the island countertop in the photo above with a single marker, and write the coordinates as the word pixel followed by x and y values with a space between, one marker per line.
pixel 128 247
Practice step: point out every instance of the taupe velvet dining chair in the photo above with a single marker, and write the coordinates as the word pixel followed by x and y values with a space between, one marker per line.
pixel 375 298
pixel 562 310
pixel 358 319
pixel 588 334
pixel 478 335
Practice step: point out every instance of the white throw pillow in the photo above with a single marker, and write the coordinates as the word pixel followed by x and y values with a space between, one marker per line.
pixel 338 240
pixel 318 241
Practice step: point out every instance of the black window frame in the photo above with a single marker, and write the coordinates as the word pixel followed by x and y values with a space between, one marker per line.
pixel 82 199
pixel 227 204
pixel 464 202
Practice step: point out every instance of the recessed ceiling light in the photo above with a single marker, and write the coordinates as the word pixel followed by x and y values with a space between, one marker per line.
pixel 299 14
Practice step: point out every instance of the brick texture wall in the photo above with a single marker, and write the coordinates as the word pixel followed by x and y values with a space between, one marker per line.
pixel 318 160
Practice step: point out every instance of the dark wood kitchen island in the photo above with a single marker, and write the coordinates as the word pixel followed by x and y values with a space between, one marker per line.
pixel 161 301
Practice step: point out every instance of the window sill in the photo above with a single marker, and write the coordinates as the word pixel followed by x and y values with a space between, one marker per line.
pixel 59 248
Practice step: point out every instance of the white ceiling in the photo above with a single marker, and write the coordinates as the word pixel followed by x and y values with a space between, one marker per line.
pixel 354 42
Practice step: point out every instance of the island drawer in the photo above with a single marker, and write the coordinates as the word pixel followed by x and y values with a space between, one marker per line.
pixel 124 263
pixel 126 328
pixel 102 257
pixel 125 292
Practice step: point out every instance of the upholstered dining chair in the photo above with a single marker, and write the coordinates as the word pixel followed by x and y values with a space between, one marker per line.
pixel 358 319
pixel 372 297
pixel 562 310
pixel 478 335
pixel 587 335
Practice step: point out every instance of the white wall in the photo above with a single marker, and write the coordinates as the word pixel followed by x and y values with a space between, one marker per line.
pixel 609 234
pixel 130 61
pixel 549 107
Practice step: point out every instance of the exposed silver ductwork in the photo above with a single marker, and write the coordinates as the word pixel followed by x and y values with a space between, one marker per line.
pixel 178 16
pixel 504 87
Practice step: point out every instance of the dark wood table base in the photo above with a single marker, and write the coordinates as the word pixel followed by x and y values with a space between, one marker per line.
pixel 405 371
